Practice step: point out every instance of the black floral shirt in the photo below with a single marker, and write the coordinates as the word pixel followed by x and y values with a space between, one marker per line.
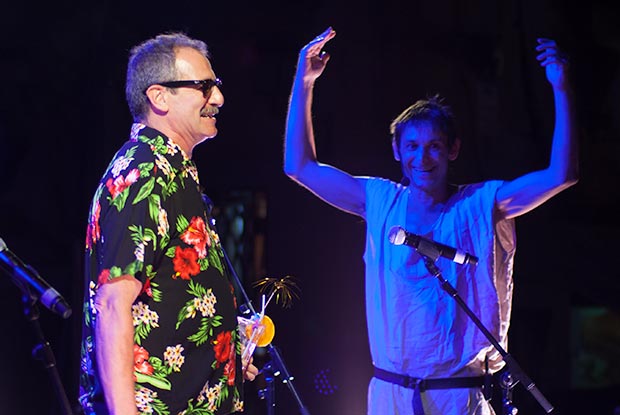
pixel 148 219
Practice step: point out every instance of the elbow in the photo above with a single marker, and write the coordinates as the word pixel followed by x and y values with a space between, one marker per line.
pixel 300 171
pixel 566 180
pixel 571 177
pixel 563 176
pixel 565 184
pixel 290 170
pixel 293 171
pixel 572 181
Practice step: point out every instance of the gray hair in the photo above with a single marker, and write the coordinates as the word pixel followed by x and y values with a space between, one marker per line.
pixel 151 62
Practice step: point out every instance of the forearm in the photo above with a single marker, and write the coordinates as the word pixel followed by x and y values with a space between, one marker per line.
pixel 564 153
pixel 114 347
pixel 525 193
pixel 299 147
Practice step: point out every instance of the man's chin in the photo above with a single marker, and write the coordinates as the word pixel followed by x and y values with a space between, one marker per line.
pixel 422 179
pixel 209 135
pixel 428 183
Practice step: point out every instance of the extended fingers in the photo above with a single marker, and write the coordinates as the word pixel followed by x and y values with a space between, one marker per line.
pixel 557 60
pixel 544 43
pixel 550 52
pixel 325 36
pixel 552 57
pixel 314 47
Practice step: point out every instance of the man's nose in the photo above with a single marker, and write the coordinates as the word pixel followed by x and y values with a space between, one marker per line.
pixel 425 155
pixel 216 97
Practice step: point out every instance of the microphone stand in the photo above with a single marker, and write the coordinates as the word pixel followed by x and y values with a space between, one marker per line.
pixel 516 373
pixel 276 366
pixel 43 350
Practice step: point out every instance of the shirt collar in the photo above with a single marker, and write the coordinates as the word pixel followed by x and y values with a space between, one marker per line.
pixel 139 129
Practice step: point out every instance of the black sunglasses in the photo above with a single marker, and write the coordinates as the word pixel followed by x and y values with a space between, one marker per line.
pixel 205 85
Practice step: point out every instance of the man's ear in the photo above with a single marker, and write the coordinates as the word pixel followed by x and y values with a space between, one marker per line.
pixel 395 150
pixel 454 150
pixel 157 97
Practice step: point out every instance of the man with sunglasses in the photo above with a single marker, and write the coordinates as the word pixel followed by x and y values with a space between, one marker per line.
pixel 429 357
pixel 160 327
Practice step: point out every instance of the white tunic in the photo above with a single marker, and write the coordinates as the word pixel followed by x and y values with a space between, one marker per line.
pixel 415 328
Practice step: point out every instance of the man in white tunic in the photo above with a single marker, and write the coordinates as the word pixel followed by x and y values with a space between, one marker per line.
pixel 429 357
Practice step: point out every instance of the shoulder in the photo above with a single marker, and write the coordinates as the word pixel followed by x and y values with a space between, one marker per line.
pixel 380 187
pixel 381 195
pixel 481 189
pixel 476 197
pixel 130 156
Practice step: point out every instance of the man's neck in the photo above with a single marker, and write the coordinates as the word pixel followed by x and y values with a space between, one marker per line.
pixel 430 198
pixel 184 144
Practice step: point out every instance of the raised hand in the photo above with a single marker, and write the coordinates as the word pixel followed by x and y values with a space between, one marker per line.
pixel 554 61
pixel 312 57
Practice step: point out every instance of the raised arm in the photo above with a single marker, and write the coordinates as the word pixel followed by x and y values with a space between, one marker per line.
pixel 531 190
pixel 334 186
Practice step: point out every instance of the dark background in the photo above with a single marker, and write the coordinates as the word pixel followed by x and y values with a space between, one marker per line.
pixel 63 115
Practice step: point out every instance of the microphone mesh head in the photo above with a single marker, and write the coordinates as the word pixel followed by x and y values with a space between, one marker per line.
pixel 397 235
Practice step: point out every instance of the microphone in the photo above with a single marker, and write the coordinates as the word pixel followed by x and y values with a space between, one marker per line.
pixel 429 248
pixel 43 291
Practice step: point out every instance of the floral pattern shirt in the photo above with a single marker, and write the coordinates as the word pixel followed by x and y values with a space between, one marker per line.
pixel 148 220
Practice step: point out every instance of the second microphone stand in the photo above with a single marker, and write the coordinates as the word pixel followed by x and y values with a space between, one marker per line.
pixel 517 374
pixel 271 370
pixel 276 366
pixel 43 350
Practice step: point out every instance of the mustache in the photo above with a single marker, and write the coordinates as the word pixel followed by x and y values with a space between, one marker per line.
pixel 210 111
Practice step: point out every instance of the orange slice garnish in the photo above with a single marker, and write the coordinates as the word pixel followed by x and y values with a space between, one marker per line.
pixel 269 331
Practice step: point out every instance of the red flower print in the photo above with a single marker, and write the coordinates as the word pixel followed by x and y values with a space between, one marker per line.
pixel 229 371
pixel 104 276
pixel 230 368
pixel 196 234
pixel 132 176
pixel 146 288
pixel 118 185
pixel 93 231
pixel 95 221
pixel 234 297
pixel 222 346
pixel 185 263
pixel 140 359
